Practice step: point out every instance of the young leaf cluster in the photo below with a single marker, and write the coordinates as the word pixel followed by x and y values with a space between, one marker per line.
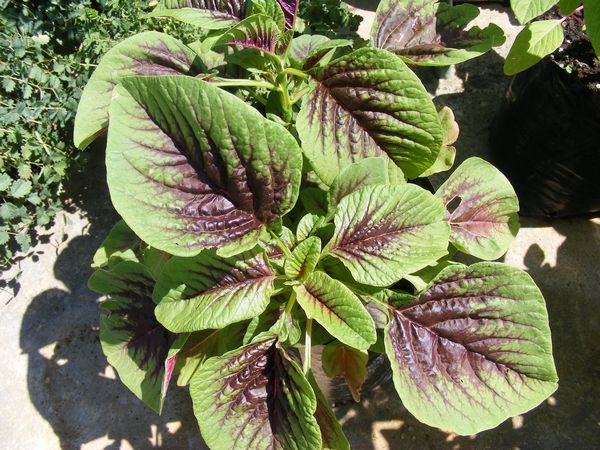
pixel 540 38
pixel 266 182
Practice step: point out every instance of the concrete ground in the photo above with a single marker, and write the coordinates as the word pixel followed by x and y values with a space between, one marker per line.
pixel 57 391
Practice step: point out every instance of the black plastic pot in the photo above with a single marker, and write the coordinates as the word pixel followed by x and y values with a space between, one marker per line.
pixel 546 140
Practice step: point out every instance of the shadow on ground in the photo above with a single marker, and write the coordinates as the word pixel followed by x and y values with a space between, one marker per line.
pixel 68 379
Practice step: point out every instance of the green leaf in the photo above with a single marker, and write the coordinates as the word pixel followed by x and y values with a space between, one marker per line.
pixel 526 10
pixel 206 344
pixel 136 345
pixel 568 6
pixel 534 42
pixel 339 360
pixel 368 103
pixel 213 15
pixel 268 7
pixel 192 167
pixel 149 53
pixel 365 172
pixel 20 188
pixel 121 244
pixel 591 11
pixel 4 236
pixel 385 232
pixel 8 85
pixel 331 431
pixel 445 159
pixel 303 259
pixel 24 242
pixel 5 182
pixel 255 397
pixel 432 33
pixel 473 350
pixel 209 292
pixel 337 309
pixel 307 226
pixel 481 208
pixel 9 212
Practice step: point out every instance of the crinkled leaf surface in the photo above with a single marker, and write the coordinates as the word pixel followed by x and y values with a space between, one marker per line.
pixel 365 172
pixel 337 309
pixel 303 259
pixel 473 350
pixel 270 8
pixel 208 291
pixel 255 397
pixel 533 43
pixel 135 344
pixel 339 360
pixel 385 232
pixel 526 10
pixel 257 31
pixel 192 167
pixel 481 208
pixel 121 244
pixel 368 103
pixel 149 53
pixel 429 32
pixel 331 430
pixel 303 46
pixel 207 14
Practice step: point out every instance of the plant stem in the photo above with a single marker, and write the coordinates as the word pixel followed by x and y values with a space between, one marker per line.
pixel 307 347
pixel 296 72
pixel 243 83
pixel 281 244
pixel 290 304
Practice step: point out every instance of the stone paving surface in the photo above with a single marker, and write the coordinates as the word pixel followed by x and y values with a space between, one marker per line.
pixel 57 391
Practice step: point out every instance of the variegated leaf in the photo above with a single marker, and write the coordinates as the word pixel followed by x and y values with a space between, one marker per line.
pixel 432 33
pixel 368 103
pixel 135 344
pixel 385 232
pixel 258 31
pixel 207 14
pixel 337 309
pixel 255 397
pixel 209 292
pixel 192 167
pixel 473 350
pixel 481 208
pixel 149 53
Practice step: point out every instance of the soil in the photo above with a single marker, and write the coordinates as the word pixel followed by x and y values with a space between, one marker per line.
pixel 576 55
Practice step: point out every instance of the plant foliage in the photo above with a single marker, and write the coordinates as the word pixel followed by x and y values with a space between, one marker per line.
pixel 48 49
pixel 265 182
pixel 539 38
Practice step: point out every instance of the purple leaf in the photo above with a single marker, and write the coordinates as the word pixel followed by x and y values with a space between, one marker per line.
pixel 481 207
pixel 258 31
pixel 430 32
pixel 192 167
pixel 290 10
pixel 473 349
pixel 149 53
pixel 207 14
pixel 136 345
pixel 255 397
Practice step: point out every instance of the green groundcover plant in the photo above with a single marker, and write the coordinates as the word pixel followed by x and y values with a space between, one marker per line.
pixel 539 38
pixel 264 181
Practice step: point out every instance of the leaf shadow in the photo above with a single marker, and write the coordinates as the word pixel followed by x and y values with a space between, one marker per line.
pixel 68 378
